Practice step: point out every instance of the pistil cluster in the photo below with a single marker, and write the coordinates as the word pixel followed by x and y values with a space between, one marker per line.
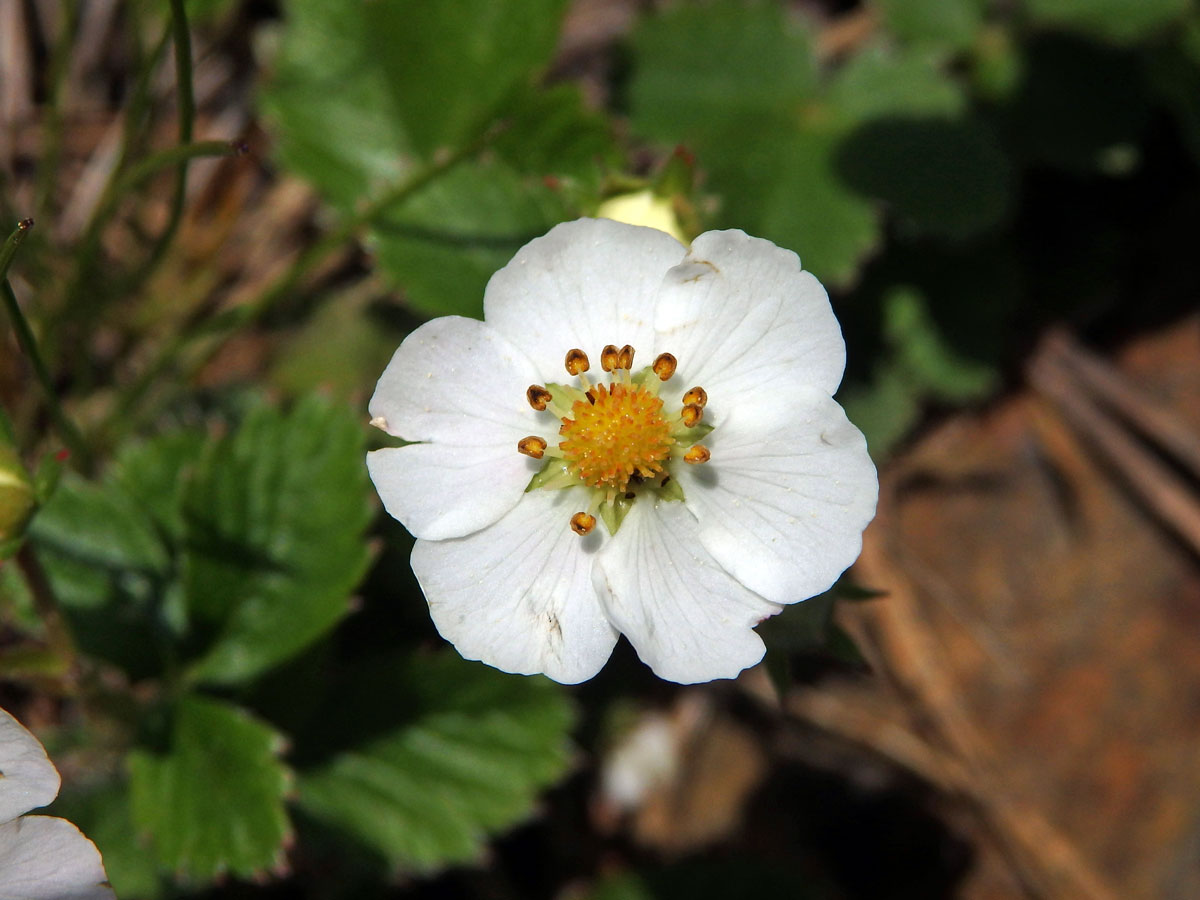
pixel 615 437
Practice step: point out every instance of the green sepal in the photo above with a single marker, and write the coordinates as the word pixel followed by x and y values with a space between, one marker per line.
pixel 555 474
pixel 689 436
pixel 671 490
pixel 613 514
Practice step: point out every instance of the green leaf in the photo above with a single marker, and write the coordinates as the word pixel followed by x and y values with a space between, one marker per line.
pixel 213 802
pixel 678 93
pixel 450 65
pixel 467 761
pixel 110 569
pixel 942 23
pixel 923 353
pixel 103 813
pixel 444 244
pixel 329 105
pixel 275 519
pixel 550 132
pixel 768 133
pixel 1123 21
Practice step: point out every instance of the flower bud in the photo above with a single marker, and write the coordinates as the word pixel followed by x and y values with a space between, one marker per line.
pixel 17 499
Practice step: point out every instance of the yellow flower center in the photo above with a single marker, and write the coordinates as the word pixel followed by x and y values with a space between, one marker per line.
pixel 616 439
pixel 618 433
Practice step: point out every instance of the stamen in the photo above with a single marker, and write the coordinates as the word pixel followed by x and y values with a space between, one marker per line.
pixel 532 446
pixel 538 397
pixel 697 396
pixel 610 357
pixel 664 366
pixel 692 414
pixel 582 523
pixel 577 362
pixel 697 454
pixel 626 356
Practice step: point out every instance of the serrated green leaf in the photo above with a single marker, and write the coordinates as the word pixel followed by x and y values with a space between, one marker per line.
pixel 952 24
pixel 1122 21
pixel 467 761
pixel 275 518
pixel 550 132
pixel 447 240
pixel 213 802
pixel 882 82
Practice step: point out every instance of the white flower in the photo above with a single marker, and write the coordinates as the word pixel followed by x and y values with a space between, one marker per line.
pixel 727 480
pixel 41 857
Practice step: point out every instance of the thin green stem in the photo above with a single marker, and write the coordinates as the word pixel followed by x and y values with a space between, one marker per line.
pixel 187 118
pixel 181 153
pixel 28 343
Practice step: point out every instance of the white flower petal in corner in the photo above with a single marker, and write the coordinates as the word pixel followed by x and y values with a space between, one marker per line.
pixel 44 858
pixel 28 780
pixel 650 448
pixel 41 857
pixel 688 619
pixel 518 595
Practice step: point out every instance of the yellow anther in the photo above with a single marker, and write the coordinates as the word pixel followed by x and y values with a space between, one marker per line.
pixel 532 446
pixel 697 396
pixel 626 358
pixel 664 366
pixel 582 523
pixel 537 396
pixel 697 454
pixel 692 414
pixel 576 362
pixel 610 357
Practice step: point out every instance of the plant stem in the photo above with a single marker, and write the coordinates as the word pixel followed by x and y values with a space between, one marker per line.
pixel 58 635
pixel 187 117
pixel 70 434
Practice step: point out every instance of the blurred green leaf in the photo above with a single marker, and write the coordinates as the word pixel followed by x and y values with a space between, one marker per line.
pixel 941 23
pixel 448 239
pixel 329 105
pixel 550 132
pixel 212 803
pixel 103 813
pixel 1123 21
pixel 884 407
pixel 467 761
pixel 922 351
pixel 768 133
pixel 110 569
pixel 451 65
pixel 275 519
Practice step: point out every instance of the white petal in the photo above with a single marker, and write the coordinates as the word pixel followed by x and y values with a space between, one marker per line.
pixel 740 314
pixel 787 494
pixel 43 858
pixel 688 619
pixel 440 492
pixel 518 595
pixel 584 284
pixel 456 381
pixel 27 777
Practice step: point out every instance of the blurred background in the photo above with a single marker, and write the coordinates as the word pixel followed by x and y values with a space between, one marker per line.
pixel 240 207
